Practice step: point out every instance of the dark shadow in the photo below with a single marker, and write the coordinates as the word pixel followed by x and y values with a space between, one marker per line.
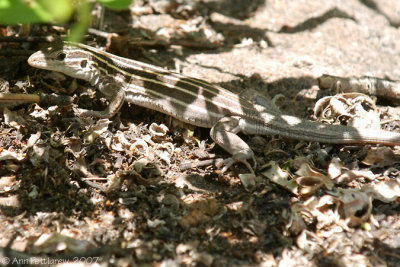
pixel 313 22
pixel 372 5
pixel 235 33
pixel 390 254
pixel 55 193
pixel 231 26
pixel 9 66
pixel 200 183
pixel 185 222
pixel 238 9
pixel 282 85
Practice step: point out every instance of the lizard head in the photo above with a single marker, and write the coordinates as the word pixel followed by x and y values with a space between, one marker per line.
pixel 68 58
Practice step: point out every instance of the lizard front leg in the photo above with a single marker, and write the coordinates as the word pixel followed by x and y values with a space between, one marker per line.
pixel 224 133
pixel 116 101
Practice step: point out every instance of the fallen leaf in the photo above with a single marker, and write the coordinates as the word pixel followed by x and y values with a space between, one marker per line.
pixel 380 157
pixel 385 191
pixel 96 130
pixel 6 155
pixel 279 176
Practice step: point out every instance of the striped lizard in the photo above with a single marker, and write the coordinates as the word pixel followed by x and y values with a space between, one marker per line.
pixel 193 101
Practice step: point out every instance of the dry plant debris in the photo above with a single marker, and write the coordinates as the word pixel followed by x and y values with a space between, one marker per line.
pixel 367 85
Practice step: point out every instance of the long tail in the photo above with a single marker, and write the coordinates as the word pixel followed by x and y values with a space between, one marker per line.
pixel 296 128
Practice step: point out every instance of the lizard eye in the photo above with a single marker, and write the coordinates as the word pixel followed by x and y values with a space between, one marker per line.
pixel 61 56
pixel 84 63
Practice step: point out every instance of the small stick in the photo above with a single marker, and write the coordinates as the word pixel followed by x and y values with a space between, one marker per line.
pixel 24 98
pixel 366 85
pixel 99 33
pixel 38 39
pixel 51 99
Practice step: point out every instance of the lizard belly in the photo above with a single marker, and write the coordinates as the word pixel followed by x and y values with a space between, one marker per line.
pixel 192 114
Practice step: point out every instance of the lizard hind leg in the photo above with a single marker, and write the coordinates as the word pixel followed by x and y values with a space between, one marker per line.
pixel 224 133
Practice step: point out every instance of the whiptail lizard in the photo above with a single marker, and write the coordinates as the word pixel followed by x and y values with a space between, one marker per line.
pixel 193 101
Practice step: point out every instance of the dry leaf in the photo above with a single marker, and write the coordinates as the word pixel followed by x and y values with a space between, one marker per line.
pixel 324 210
pixel 39 112
pixel 7 183
pixel 12 118
pixel 309 242
pixel 352 203
pixel 248 181
pixel 350 175
pixel 359 109
pixel 380 157
pixel 339 107
pixel 279 176
pixel 158 130
pixel 297 221
pixel 335 168
pixel 6 155
pixel 141 146
pixel 96 130
pixel 310 180
pixel 33 139
pixel 385 191
pixel 11 202
pixel 308 185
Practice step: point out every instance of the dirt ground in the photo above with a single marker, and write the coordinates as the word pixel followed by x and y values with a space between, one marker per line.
pixel 114 192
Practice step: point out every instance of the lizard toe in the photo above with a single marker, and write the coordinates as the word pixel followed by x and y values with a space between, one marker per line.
pixel 237 158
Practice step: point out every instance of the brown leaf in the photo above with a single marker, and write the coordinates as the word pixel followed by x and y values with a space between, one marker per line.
pixel 385 191
pixel 380 157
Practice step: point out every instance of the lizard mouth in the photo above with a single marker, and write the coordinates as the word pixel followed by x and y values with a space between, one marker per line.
pixel 38 60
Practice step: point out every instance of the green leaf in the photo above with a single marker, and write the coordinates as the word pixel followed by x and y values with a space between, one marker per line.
pixel 61 10
pixel 116 4
pixel 24 11
pixel 80 28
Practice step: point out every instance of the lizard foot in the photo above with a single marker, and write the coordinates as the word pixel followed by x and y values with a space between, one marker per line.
pixel 82 113
pixel 79 112
pixel 237 158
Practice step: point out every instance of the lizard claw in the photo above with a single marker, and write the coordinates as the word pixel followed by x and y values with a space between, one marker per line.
pixel 237 158
pixel 79 112
pixel 82 113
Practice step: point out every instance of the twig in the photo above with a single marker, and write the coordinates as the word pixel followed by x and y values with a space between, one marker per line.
pixel 38 39
pixel 366 85
pixel 99 33
pixel 53 99
pixel 24 98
